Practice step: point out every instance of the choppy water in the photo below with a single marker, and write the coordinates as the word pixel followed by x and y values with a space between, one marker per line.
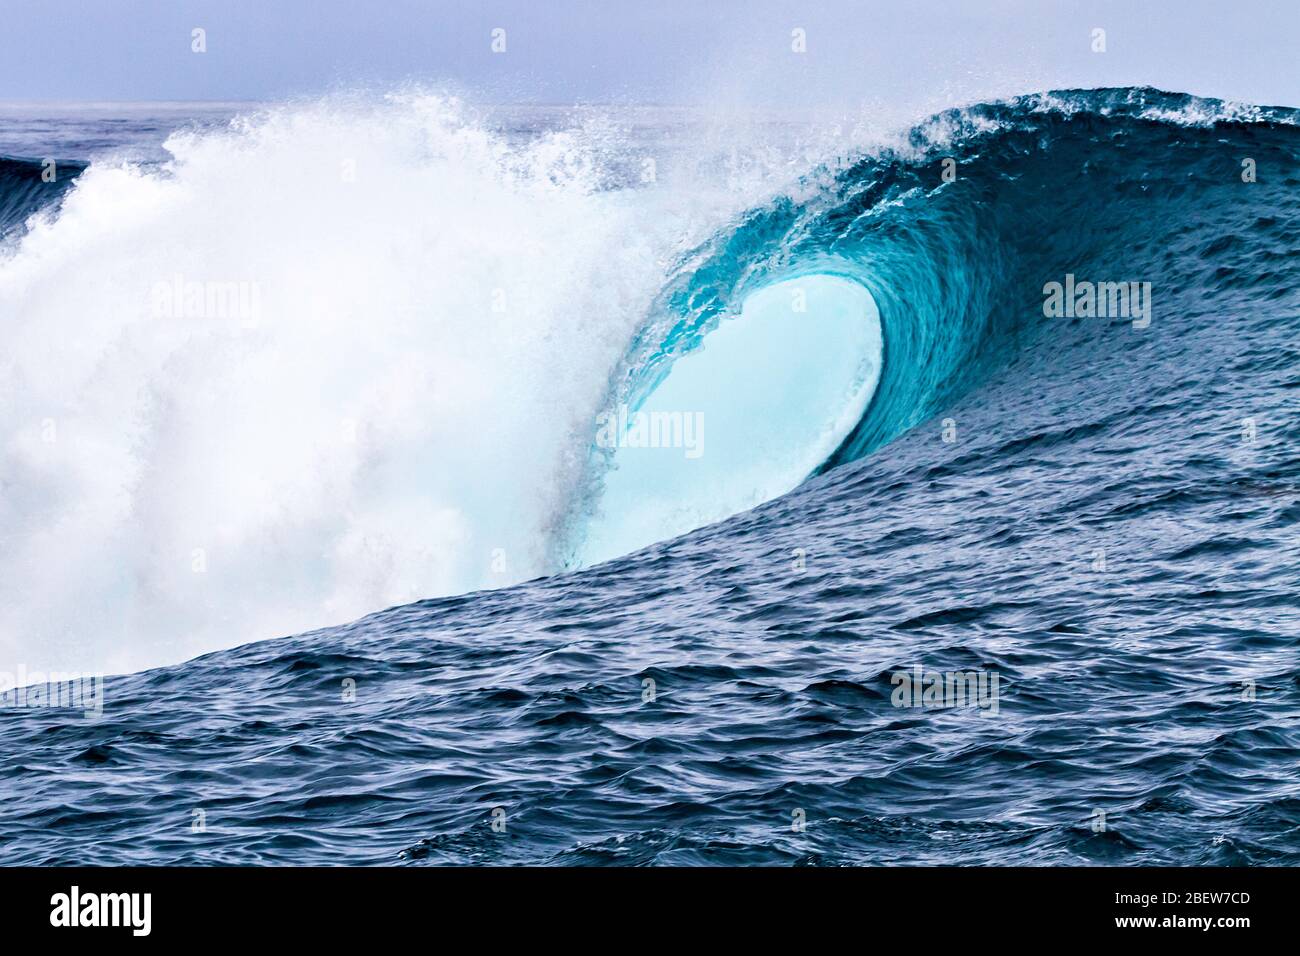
pixel 1100 513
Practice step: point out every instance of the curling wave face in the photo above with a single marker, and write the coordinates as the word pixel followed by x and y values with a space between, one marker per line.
pixel 1099 509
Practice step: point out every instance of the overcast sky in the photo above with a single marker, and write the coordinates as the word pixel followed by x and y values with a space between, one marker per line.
pixel 664 51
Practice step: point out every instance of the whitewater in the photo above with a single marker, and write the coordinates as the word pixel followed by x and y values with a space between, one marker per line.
pixel 440 307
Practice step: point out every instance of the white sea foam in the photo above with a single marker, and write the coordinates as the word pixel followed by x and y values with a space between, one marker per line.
pixel 438 312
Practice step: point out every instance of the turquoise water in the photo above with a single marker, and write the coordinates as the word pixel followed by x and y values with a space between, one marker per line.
pixel 766 397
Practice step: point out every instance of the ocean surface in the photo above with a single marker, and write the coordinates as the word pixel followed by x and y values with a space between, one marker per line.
pixel 367 372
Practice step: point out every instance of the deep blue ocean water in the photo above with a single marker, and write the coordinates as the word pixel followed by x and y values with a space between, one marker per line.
pixel 1101 514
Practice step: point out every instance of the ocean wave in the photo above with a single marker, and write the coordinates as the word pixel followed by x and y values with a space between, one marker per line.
pixel 426 320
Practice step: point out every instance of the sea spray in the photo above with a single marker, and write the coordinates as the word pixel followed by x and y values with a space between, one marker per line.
pixel 297 373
